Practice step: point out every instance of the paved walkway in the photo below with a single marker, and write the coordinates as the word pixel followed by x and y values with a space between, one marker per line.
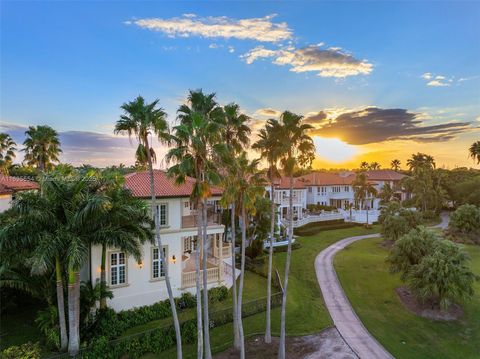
pixel 342 313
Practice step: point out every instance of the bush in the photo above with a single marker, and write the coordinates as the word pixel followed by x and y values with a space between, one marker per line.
pixel 24 351
pixel 186 300
pixel 316 227
pixel 217 294
pixel 465 224
pixel 295 245
pixel 47 322
pixel 320 207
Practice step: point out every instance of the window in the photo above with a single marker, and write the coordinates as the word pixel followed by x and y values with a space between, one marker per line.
pixel 162 214
pixel 309 189
pixel 347 189
pixel 158 267
pixel 118 274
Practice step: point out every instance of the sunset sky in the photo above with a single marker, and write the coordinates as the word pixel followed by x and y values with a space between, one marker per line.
pixel 377 80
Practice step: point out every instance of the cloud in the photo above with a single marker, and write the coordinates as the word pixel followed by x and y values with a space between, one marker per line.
pixel 374 124
pixel 268 112
pixel 315 118
pixel 327 62
pixel 436 80
pixel 231 49
pixel 437 83
pixel 99 149
pixel 260 29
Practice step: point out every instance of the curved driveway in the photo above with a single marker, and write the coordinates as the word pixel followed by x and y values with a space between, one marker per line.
pixel 342 313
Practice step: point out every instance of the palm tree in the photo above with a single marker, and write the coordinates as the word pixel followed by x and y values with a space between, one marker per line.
pixel 196 141
pixel 235 131
pixel 474 151
pixel 363 189
pixel 387 194
pixel 123 222
pixel 374 166
pixel 297 150
pixel 42 147
pixel 395 164
pixel 7 152
pixel 250 185
pixel 269 147
pixel 144 120
pixel 364 165
pixel 420 160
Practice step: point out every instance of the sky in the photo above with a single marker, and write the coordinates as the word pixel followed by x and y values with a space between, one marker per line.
pixel 377 80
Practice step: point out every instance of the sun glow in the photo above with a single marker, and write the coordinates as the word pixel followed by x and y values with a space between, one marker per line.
pixel 334 150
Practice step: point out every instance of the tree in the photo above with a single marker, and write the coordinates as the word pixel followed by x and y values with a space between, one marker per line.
pixel 474 151
pixel 443 276
pixel 395 164
pixel 394 227
pixel 42 147
pixel 420 160
pixel 363 190
pixel 364 166
pixel 374 166
pixel 122 222
pixel 235 131
pixel 465 221
pixel 387 194
pixel 250 185
pixel 142 119
pixel 196 139
pixel 410 250
pixel 297 150
pixel 269 147
pixel 7 152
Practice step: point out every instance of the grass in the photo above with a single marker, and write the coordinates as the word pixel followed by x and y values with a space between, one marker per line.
pixel 364 275
pixel 306 312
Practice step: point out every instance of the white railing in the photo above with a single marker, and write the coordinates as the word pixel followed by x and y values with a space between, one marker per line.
pixel 325 216
pixel 188 278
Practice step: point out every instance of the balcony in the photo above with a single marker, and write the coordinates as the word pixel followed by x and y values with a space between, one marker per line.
pixel 190 221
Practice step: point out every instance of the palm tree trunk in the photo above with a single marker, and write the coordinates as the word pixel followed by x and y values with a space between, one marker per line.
pixel 198 283
pixel 240 288
pixel 156 218
pixel 61 306
pixel 206 319
pixel 281 349
pixel 268 334
pixel 103 277
pixel 236 334
pixel 73 312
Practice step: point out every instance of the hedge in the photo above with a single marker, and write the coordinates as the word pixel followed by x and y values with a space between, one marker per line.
pixel 160 339
pixel 316 227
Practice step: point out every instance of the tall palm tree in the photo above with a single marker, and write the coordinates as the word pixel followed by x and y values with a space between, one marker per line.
pixel 269 147
pixel 236 136
pixel 364 165
pixel 297 150
pixel 374 166
pixel 363 189
pixel 7 152
pixel 122 222
pixel 42 147
pixel 474 151
pixel 144 120
pixel 197 139
pixel 250 184
pixel 395 164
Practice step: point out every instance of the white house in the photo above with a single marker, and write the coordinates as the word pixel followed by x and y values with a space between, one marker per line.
pixel 10 186
pixel 135 284
pixel 332 189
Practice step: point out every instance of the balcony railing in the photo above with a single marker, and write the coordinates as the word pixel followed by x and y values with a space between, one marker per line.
pixel 188 278
pixel 191 220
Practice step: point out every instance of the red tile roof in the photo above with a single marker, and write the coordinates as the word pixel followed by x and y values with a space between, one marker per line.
pixel 139 185
pixel 328 179
pixel 384 175
pixel 284 183
pixel 10 184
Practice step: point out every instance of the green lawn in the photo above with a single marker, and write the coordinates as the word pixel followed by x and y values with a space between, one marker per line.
pixel 364 275
pixel 306 312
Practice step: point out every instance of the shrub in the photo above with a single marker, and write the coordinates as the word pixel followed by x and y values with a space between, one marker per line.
pixel 316 227
pixel 217 294
pixel 465 219
pixel 47 322
pixel 443 276
pixel 24 351
pixel 397 221
pixel 186 300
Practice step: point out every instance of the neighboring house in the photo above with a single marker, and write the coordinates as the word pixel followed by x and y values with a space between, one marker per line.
pixel 142 283
pixel 332 189
pixel 10 186
pixel 282 196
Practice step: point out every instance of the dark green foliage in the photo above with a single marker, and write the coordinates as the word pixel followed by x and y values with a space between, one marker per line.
pixel 24 351
pixel 217 294
pixel 397 221
pixel 320 207
pixel 47 322
pixel 316 227
pixel 465 224
pixel 186 300
pixel 295 245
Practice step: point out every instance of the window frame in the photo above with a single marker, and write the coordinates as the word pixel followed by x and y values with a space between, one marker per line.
pixel 117 267
pixel 158 213
pixel 158 260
